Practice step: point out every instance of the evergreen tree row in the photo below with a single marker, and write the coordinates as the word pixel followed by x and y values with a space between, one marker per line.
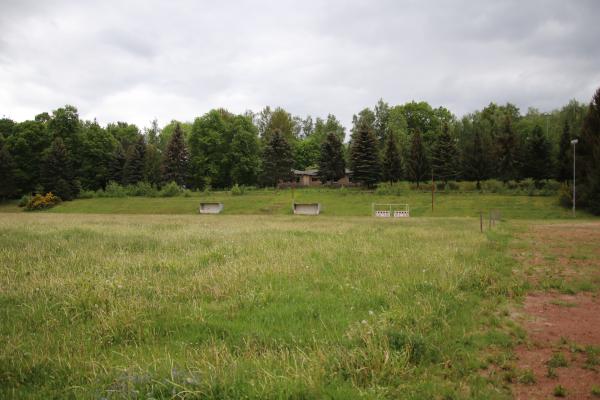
pixel 414 141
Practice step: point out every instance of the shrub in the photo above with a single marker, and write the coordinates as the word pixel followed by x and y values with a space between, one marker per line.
pixel 113 189
pixel 171 189
pixel 39 202
pixel 24 200
pixel 391 189
pixel 87 194
pixel 467 186
pixel 424 187
pixel 453 185
pixel 141 188
pixel 492 186
pixel 237 190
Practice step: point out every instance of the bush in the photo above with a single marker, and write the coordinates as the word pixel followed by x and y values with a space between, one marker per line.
pixel 390 189
pixel 492 186
pixel 467 186
pixel 39 202
pixel 24 200
pixel 87 194
pixel 423 187
pixel 171 189
pixel 237 190
pixel 144 189
pixel 453 185
pixel 113 189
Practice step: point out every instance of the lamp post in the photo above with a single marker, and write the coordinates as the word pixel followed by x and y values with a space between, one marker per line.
pixel 574 142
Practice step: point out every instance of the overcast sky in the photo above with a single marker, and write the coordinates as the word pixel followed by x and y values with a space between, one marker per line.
pixel 138 60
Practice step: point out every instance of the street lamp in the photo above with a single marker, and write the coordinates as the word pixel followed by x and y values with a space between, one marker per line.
pixel 574 142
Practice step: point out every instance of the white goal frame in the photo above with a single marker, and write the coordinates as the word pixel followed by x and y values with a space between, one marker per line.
pixel 396 210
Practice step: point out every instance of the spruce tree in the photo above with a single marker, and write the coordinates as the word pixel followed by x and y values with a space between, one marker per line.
pixel 507 147
pixel 418 163
pixel 364 157
pixel 391 164
pixel 444 158
pixel 476 160
pixel 588 158
pixel 538 161
pixel 116 164
pixel 277 160
pixel 175 165
pixel 564 170
pixel 57 171
pixel 332 165
pixel 152 164
pixel 133 169
pixel 8 186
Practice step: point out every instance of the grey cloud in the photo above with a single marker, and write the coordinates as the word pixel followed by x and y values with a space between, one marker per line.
pixel 138 60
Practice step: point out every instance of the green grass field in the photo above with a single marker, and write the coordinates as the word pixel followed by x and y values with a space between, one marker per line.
pixel 334 203
pixel 96 304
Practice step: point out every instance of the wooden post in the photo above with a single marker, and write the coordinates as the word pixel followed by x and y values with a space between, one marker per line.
pixel 490 222
pixel 432 190
pixel 481 221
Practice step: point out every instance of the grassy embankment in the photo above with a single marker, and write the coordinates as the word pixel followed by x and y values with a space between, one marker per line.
pixel 334 203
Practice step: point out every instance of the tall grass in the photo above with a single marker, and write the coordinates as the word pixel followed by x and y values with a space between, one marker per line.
pixel 249 307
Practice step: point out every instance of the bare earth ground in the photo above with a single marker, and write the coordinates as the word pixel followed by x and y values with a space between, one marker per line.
pixel 562 314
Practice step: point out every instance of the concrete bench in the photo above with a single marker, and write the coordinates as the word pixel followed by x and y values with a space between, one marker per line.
pixel 306 208
pixel 210 208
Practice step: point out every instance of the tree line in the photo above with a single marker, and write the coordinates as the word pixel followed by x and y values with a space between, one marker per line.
pixel 414 141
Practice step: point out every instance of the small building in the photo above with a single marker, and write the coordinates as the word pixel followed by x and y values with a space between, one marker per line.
pixel 310 177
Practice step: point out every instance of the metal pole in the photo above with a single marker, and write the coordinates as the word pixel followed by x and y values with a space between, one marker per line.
pixel 574 144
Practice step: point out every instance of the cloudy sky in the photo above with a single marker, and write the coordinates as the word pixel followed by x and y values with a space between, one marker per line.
pixel 139 60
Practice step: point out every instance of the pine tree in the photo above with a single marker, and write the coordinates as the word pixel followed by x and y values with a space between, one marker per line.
pixel 277 160
pixel 391 164
pixel 57 171
pixel 564 172
pixel 444 158
pixel 538 161
pixel 332 165
pixel 8 187
pixel 152 164
pixel 364 157
pixel 175 165
pixel 476 160
pixel 508 151
pixel 133 169
pixel 588 158
pixel 116 164
pixel 418 164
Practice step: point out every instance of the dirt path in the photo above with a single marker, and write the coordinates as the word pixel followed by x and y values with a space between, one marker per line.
pixel 562 315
